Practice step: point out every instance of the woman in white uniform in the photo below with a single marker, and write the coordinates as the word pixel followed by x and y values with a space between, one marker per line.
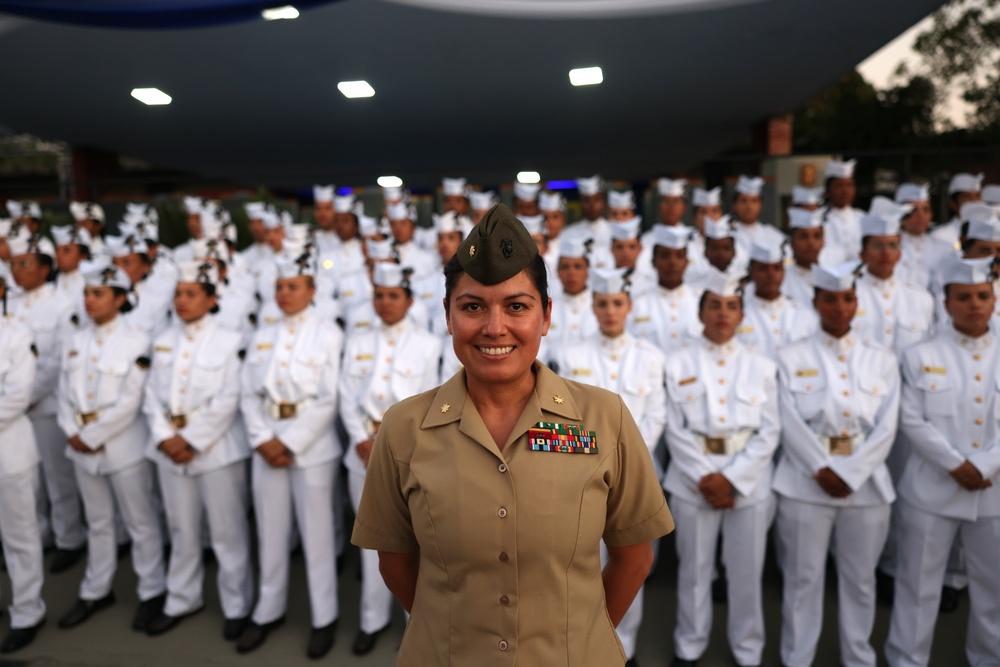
pixel 104 370
pixel 200 449
pixel 289 399
pixel 381 367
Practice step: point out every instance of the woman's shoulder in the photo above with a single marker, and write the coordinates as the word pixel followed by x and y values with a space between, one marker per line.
pixel 406 418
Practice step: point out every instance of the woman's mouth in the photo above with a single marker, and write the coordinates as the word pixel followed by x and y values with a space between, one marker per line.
pixel 495 351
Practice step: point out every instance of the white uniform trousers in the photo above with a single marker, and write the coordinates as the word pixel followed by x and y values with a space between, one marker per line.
pixel 744 545
pixel 132 489
pixel 304 496
pixel 22 547
pixel 806 531
pixel 925 543
pixel 628 628
pixel 65 515
pixel 221 496
pixel 376 599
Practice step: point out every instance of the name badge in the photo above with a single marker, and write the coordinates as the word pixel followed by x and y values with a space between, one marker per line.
pixel 936 370
pixel 163 348
pixel 264 346
pixel 580 371
pixel 745 330
pixel 364 357
pixel 562 438
pixel 686 381
pixel 640 320
pixel 807 373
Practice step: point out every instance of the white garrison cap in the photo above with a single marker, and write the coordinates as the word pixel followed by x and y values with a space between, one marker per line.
pixel 551 201
pixel 71 234
pixel 380 250
pixel 800 218
pixel 526 191
pixel 667 187
pixel 750 185
pixel 965 183
pixel 455 187
pixel 618 199
pixel 967 271
pixel 703 197
pixel 984 230
pixel 808 196
pixel 610 281
pixel 216 228
pixel 482 201
pixel 30 244
pixel 908 192
pixel 589 186
pixel 451 222
pixel 290 267
pixel 767 253
pixel 838 169
pixel 123 246
pixel 255 209
pixel 86 210
pixel 147 211
pixel 139 226
pixel 719 229
pixel 885 224
pixel 297 233
pixel 573 247
pixel 626 230
pixel 343 204
pixel 193 205
pixel 19 209
pixel 838 278
pixel 671 236
pixel 270 218
pixel 390 274
pixel 5 225
pixel 884 206
pixel 323 193
pixel 367 225
pixel 721 284
pixel 535 224
pixel 400 211
pixel 393 194
pixel 991 194
pixel 975 210
pixel 104 273
pixel 207 248
pixel 198 272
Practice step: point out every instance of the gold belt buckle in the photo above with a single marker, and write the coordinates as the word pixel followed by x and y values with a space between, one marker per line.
pixel 86 417
pixel 715 445
pixel 841 445
pixel 179 421
pixel 286 410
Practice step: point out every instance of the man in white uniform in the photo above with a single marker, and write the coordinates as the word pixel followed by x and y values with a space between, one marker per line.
pixel 841 221
pixel 668 315
pixel 962 189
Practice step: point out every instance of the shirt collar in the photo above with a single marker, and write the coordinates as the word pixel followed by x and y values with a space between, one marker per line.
pixel 615 344
pixel 395 330
pixel 723 350
pixel 298 318
pixel 194 328
pixel 842 344
pixel 973 344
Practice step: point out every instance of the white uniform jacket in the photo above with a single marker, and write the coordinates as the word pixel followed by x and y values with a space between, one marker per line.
pixel 721 391
pixel 842 233
pixel 892 313
pixel 837 387
pixel 920 257
pixel 49 315
pixel 667 318
pixel 196 374
pixel 152 315
pixel 104 371
pixel 950 413
pixel 770 326
pixel 573 318
pixel 17 374
pixel 295 362
pixel 949 234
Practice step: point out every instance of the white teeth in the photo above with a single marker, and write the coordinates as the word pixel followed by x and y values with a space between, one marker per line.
pixel 497 351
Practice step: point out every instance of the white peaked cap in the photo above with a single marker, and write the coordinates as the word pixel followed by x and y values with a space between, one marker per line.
pixel 750 185
pixel 207 248
pixel 303 264
pixel 767 253
pixel 838 169
pixel 965 183
pixel 198 272
pixel 482 201
pixel 719 229
pixel 721 284
pixel 323 193
pixel 255 209
pixel 393 194
pixel 909 192
pixel 808 196
pixel 671 236
pixel 367 225
pixel 535 224
pixel 193 205
pixel 573 247
pixel 123 246
pixel 450 222
pixel 589 186
pixel 380 250
pixel 667 187
pixel 703 197
pixel 967 271
pixel 618 199
pixel 30 244
pixel 838 278
pixel 609 281
pixel 71 234
pixel 626 230
pixel 526 191
pixel 991 194
pixel 86 210
pixel 399 211
pixel 19 209
pixel 800 218
pixel 455 187
pixel 551 201
pixel 390 274
pixel 104 273
pixel 343 204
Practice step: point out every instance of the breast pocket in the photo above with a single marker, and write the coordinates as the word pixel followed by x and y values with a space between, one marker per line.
pixel 112 379
pixel 808 394
pixel 635 393
pixel 162 373
pixel 307 373
pixel 939 395
pixel 407 380
pixel 256 363
pixel 748 405
pixel 871 393
pixel 208 375
pixel 691 398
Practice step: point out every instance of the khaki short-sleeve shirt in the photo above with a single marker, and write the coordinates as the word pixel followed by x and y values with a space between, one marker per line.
pixel 509 540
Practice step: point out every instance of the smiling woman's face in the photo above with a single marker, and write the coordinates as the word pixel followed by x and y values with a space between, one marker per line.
pixel 496 329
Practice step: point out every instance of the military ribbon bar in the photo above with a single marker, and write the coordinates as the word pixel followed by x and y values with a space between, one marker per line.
pixel 562 438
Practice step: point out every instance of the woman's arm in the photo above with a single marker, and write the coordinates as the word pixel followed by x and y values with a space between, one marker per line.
pixel 400 574
pixel 623 576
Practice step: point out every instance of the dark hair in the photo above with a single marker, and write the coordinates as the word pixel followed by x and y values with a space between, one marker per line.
pixel 49 263
pixel 127 304
pixel 536 270
pixel 704 297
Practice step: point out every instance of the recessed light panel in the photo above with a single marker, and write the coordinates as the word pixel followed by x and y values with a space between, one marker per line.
pixel 586 76
pixel 280 13
pixel 390 181
pixel 354 89
pixel 528 177
pixel 151 96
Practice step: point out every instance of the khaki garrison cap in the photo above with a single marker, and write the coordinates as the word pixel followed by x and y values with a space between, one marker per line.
pixel 497 248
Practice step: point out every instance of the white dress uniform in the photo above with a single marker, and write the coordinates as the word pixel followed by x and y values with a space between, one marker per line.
pixel 572 318
pixel 950 414
pixel 949 235
pixel 841 234
pixel 194 391
pixel 289 391
pixel 345 258
pixel 429 292
pixel 666 317
pixel 362 319
pixel 380 368
pixel 920 256
pixel 840 401
pixel 892 313
pixel 770 326
pixel 722 418
pixel 104 372
pixel 19 532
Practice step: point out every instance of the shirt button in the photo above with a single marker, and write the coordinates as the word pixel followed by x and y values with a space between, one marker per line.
pixel 93 360
pixel 841 358
pixel 614 376
pixel 503 557
pixel 90 395
pixel 847 413
pixel 722 380
pixel 722 419
pixel 843 376
pixel 502 467
pixel 847 393
pixel 502 512
pixel 90 378
pixel 979 378
pixel 975 357
pixel 187 355
pixel 722 401
pixel 977 444
pixel 979 421
pixel 385 377
pixel 502 645
pixel 504 600
pixel 979 399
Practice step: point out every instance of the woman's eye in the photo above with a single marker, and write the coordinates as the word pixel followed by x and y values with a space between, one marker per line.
pixel 471 306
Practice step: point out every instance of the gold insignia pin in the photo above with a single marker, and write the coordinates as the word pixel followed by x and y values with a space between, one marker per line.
pixel 558 399
pixel 472 251
pixel 446 407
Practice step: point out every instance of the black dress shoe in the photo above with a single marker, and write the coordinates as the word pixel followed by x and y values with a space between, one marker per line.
pixel 165 623
pixel 18 638
pixel 364 642
pixel 65 559
pixel 234 627
pixel 255 634
pixel 84 609
pixel 949 599
pixel 681 662
pixel 147 611
pixel 321 641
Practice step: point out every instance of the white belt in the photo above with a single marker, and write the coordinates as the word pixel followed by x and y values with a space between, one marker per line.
pixel 285 410
pixel 843 445
pixel 724 445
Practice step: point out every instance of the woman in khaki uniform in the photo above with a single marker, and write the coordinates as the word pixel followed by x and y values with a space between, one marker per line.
pixel 488 497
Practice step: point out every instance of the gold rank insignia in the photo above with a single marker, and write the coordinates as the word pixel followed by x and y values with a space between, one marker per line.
pixel 580 371
pixel 745 330
pixel 558 399
pixel 690 380
pixel 263 346
pixel 936 370
pixel 364 357
pixel 445 408
pixel 807 373
pixel 472 251
pixel 162 348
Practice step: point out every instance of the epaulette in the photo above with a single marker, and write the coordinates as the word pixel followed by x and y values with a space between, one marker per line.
pixel 143 363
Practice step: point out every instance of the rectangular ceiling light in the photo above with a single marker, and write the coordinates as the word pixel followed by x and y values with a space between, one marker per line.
pixel 354 89
pixel 528 177
pixel 390 181
pixel 279 13
pixel 151 96
pixel 586 76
